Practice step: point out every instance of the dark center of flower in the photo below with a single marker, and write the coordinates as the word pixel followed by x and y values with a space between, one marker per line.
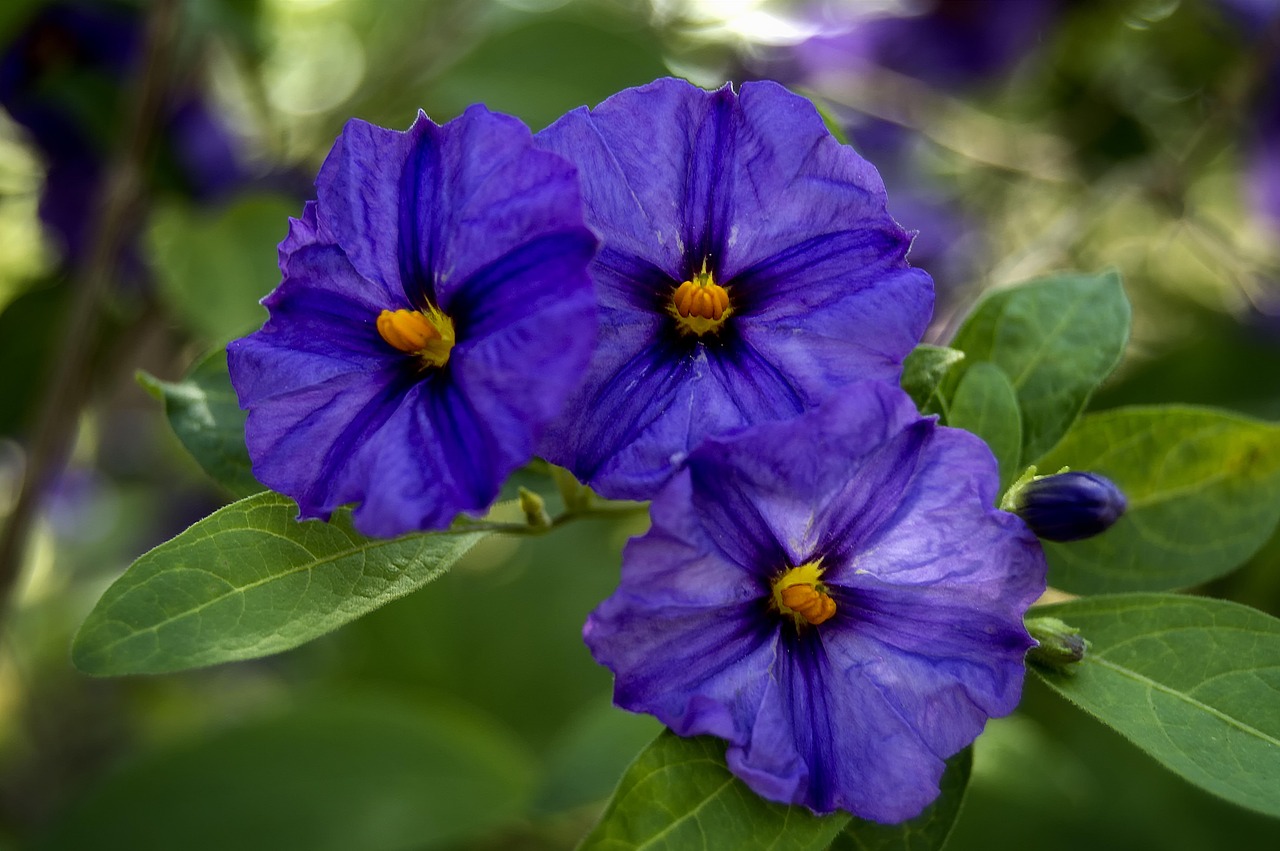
pixel 429 334
pixel 700 305
pixel 798 592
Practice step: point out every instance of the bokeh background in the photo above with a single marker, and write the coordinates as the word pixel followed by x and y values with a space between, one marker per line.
pixel 149 156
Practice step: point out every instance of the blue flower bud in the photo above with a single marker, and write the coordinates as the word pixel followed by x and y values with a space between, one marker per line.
pixel 1069 506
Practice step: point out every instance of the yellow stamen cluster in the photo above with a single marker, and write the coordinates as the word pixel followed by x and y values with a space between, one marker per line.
pixel 799 592
pixel 428 335
pixel 700 305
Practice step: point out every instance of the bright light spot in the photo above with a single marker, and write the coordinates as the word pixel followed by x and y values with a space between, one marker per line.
pixel 314 67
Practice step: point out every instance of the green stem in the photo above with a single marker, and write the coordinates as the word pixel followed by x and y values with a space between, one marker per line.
pixel 621 509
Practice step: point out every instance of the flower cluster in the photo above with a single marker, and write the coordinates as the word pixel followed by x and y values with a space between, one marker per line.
pixel 686 296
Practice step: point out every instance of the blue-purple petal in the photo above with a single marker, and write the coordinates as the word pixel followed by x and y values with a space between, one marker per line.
pixel 470 218
pixel 930 582
pixel 790 221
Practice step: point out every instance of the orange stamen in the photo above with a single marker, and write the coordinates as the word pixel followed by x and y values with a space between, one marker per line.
pixel 429 335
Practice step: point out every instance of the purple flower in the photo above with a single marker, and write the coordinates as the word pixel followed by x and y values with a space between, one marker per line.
pixel 836 596
pixel 747 269
pixel 435 313
pixel 949 43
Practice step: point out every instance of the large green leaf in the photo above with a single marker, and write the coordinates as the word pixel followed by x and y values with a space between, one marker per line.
pixel 377 773
pixel 1057 339
pixel 250 580
pixel 985 404
pixel 203 412
pixel 927 831
pixel 679 795
pixel 1204 494
pixel 1194 682
pixel 922 374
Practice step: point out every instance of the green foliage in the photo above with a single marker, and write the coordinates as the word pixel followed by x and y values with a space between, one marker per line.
pixel 1194 682
pixel 923 372
pixel 985 404
pixel 546 66
pixel 203 412
pixel 927 831
pixel 1204 494
pixel 213 267
pixel 679 795
pixel 29 327
pixel 378 773
pixel 1056 339
pixel 592 750
pixel 248 581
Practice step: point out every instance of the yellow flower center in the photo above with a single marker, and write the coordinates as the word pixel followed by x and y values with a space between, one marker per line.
pixel 799 592
pixel 428 335
pixel 700 305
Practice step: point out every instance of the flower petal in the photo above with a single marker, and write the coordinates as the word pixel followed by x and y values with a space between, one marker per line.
pixel 492 194
pixel 359 190
pixel 322 325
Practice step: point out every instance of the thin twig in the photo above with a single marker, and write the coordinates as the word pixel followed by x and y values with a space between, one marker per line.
pixel 118 213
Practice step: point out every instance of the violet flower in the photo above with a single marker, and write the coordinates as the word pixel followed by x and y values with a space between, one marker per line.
pixel 747 270
pixel 435 313
pixel 836 596
pixel 947 43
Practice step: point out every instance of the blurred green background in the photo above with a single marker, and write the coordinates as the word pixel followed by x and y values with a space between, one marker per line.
pixel 1135 134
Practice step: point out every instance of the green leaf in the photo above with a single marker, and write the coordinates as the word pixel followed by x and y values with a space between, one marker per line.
pixel 247 581
pixel 213 267
pixel 1192 681
pixel 985 404
pixel 1204 494
pixel 375 773
pixel 679 795
pixel 1057 339
pixel 927 831
pixel 923 372
pixel 203 412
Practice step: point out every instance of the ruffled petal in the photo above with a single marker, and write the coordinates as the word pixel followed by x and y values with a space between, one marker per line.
pixel 302 443
pixel 857 751
pixel 792 182
pixel 649 158
pixel 947 529
pixel 322 325
pixel 493 193
pixel 360 190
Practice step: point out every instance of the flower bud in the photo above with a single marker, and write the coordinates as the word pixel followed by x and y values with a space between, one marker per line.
pixel 1069 506
pixel 535 509
pixel 1058 645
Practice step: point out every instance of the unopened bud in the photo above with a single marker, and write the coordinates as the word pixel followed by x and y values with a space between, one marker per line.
pixel 1058 645
pixel 535 510
pixel 1068 506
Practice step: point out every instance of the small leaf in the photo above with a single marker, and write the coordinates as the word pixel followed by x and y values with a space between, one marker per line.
pixel 1057 339
pixel 1192 681
pixel 1203 489
pixel 250 580
pixel 203 412
pixel 985 404
pixel 374 773
pixel 679 795
pixel 927 831
pixel 923 372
